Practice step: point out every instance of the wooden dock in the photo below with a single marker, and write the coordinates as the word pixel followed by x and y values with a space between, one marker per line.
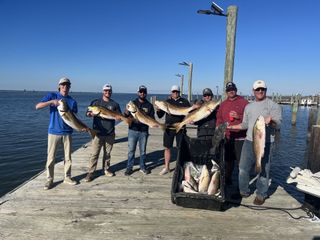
pixel 137 207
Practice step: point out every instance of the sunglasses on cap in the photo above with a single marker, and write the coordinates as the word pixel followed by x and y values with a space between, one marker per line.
pixel 260 90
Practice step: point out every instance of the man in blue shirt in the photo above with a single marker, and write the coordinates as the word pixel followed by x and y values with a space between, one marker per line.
pixel 59 132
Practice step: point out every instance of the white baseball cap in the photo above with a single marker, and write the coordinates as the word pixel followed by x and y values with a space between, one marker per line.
pixel 259 84
pixel 107 87
pixel 175 88
pixel 64 80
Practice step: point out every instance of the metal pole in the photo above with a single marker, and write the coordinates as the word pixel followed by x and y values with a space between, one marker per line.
pixel 231 40
pixel 181 84
pixel 190 82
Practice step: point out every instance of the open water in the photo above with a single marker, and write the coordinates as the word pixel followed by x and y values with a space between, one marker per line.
pixel 23 137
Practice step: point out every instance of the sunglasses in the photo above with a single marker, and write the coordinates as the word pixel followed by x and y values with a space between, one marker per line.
pixel 143 91
pixel 206 95
pixel 107 91
pixel 175 91
pixel 230 90
pixel 260 90
pixel 65 84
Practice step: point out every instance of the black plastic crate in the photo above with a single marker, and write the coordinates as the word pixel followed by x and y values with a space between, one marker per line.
pixel 199 152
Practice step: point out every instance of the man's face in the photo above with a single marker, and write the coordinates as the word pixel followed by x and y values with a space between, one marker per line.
pixel 107 93
pixel 142 94
pixel 231 93
pixel 64 88
pixel 207 97
pixel 175 94
pixel 260 93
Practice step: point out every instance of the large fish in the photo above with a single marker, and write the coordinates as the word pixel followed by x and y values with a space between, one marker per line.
pixel 174 110
pixel 142 117
pixel 204 111
pixel 259 141
pixel 204 179
pixel 219 134
pixel 71 119
pixel 108 114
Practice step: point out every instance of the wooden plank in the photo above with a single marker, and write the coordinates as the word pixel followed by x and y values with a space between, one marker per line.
pixel 136 207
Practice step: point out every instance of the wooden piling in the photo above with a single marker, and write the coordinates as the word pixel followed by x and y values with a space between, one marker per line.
pixel 294 110
pixel 314 149
pixel 311 120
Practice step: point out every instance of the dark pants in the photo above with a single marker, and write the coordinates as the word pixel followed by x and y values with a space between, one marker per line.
pixel 232 156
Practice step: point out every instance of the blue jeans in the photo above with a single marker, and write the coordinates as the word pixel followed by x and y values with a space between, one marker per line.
pixel 133 138
pixel 247 161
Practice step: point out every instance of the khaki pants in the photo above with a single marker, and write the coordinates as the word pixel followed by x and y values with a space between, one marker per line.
pixel 53 142
pixel 105 142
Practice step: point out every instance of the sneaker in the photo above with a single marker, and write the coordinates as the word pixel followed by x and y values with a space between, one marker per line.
pixel 69 180
pixel 164 171
pixel 258 200
pixel 89 177
pixel 108 173
pixel 128 172
pixel 48 185
pixel 145 171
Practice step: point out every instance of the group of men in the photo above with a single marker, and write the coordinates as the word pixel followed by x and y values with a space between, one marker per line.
pixel 235 110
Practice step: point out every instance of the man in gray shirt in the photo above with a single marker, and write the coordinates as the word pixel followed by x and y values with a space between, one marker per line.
pixel 271 112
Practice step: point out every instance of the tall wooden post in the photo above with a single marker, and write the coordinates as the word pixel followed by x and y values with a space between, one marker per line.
pixel 190 82
pixel 311 202
pixel 231 41
pixel 294 110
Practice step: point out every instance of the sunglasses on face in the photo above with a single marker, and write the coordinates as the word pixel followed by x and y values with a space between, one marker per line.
pixel 260 90
pixel 107 91
pixel 65 84
pixel 142 91
pixel 206 95
pixel 175 91
pixel 230 90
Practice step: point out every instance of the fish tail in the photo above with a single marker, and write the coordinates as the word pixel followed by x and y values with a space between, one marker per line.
pixel 92 133
pixel 178 126
pixel 258 168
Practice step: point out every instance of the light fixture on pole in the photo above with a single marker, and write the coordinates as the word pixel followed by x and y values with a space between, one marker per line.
pixel 181 76
pixel 231 37
pixel 190 65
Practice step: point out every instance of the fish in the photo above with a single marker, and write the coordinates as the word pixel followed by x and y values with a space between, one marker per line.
pixel 204 111
pixel 71 119
pixel 204 179
pixel 214 184
pixel 142 117
pixel 174 110
pixel 187 187
pixel 259 141
pixel 108 114
pixel 219 134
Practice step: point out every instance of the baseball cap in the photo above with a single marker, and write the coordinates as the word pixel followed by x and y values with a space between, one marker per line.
pixel 231 86
pixel 207 91
pixel 259 84
pixel 64 80
pixel 107 87
pixel 142 88
pixel 175 88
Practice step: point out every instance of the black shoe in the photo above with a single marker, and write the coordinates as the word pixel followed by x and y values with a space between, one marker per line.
pixel 128 172
pixel 145 171
pixel 48 185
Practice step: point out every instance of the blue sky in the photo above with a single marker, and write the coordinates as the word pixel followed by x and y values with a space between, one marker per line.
pixel 127 43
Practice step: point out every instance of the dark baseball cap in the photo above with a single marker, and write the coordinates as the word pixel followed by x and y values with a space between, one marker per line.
pixel 231 86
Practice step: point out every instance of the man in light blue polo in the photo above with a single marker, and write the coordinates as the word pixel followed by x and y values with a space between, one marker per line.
pixel 59 132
